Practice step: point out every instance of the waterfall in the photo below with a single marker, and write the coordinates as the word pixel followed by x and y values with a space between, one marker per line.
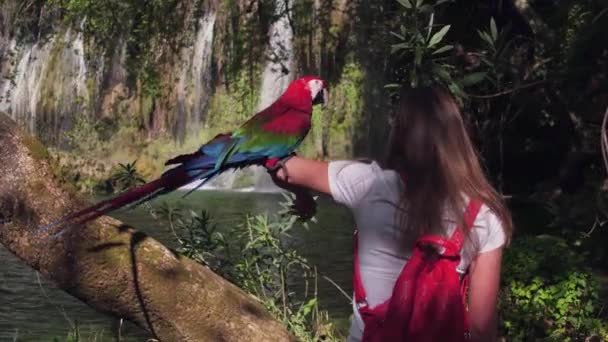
pixel 263 182
pixel 224 181
pixel 21 90
pixel 69 77
pixel 276 77
pixel 201 66
pixel 47 78
pixel 194 85
pixel 278 70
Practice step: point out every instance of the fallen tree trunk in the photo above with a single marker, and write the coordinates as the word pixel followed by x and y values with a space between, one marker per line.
pixel 112 267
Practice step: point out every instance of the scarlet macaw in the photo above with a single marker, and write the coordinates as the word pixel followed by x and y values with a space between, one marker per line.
pixel 265 139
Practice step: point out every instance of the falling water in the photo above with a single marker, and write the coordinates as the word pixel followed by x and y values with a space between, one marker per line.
pixel 277 75
pixel 46 78
pixel 21 90
pixel 194 85
pixel 278 70
pixel 70 76
pixel 224 181
pixel 201 66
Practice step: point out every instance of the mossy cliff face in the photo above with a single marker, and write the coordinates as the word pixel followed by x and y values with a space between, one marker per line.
pixel 147 67
pixel 131 79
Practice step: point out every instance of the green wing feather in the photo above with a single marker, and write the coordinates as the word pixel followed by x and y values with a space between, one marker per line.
pixel 252 138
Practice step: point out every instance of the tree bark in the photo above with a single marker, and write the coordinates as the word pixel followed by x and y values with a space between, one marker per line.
pixel 112 267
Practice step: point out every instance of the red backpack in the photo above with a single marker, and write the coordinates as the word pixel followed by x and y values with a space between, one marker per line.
pixel 429 298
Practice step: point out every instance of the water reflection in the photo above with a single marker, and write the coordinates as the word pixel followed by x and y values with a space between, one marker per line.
pixel 30 314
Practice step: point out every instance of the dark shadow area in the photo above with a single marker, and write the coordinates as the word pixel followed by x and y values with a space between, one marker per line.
pixel 16 210
pixel 254 310
pixel 373 20
pixel 137 238
pixel 105 246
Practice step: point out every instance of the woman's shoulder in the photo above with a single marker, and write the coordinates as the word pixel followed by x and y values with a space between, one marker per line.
pixel 356 166
pixel 363 164
pixel 359 169
pixel 350 180
pixel 489 230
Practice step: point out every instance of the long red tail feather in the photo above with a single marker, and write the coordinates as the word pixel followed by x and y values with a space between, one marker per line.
pixel 170 181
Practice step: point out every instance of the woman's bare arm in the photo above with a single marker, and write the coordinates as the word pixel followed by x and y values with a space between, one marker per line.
pixel 306 173
pixel 485 282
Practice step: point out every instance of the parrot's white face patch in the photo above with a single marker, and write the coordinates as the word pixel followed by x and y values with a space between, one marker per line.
pixel 315 87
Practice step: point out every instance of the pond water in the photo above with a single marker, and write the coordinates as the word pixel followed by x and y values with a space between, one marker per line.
pixel 32 309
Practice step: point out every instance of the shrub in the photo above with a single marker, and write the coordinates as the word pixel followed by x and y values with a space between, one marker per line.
pixel 124 177
pixel 548 292
pixel 257 257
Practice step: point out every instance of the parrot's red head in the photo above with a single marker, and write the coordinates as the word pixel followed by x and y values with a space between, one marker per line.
pixel 317 89
pixel 309 88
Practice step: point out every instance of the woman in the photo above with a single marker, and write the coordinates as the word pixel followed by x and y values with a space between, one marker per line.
pixel 429 148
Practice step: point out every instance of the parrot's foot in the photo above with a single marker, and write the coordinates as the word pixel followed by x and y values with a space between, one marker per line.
pixel 274 164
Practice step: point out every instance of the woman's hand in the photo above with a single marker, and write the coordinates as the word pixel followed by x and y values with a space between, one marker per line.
pixel 304 205
pixel 298 176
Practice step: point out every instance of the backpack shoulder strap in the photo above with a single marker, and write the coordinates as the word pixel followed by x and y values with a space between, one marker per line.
pixel 469 218
pixel 358 289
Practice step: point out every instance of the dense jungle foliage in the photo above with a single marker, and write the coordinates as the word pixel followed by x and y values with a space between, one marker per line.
pixel 532 77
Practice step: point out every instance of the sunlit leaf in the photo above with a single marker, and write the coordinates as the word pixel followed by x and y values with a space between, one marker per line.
pixel 309 306
pixel 400 46
pixel 438 36
pixel 398 35
pixel 443 49
pixel 486 37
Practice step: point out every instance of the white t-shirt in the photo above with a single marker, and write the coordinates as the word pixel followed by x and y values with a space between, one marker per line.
pixel 373 196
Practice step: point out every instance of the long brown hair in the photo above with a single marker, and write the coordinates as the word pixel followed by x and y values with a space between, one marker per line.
pixel 430 145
